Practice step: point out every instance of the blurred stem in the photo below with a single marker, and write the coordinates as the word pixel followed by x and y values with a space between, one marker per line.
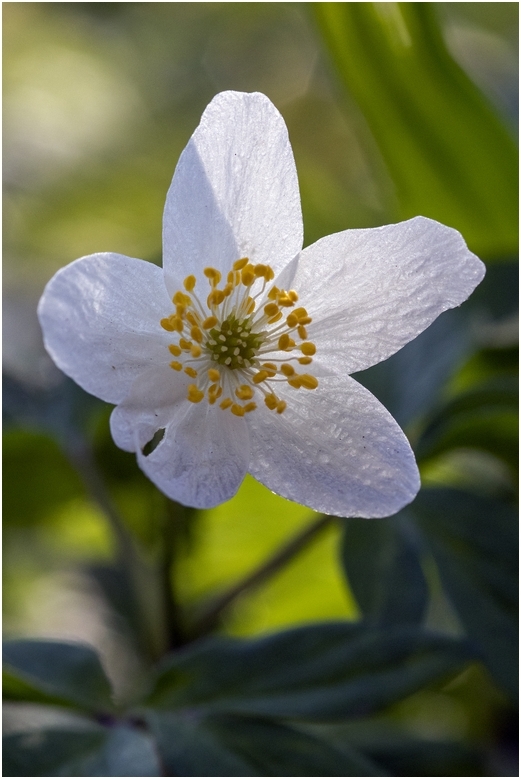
pixel 139 574
pixel 175 515
pixel 290 549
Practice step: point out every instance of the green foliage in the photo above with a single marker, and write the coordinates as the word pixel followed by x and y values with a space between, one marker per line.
pixel 52 672
pixel 460 165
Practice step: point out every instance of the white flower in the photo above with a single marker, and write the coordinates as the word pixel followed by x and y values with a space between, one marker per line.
pixel 240 349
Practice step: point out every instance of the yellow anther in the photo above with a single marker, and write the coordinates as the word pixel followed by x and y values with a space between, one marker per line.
pixel 305 360
pixel 270 366
pixel 273 293
pixel 260 376
pixel 189 283
pixel 193 318
pixel 175 350
pixel 271 401
pixel 195 350
pixel 180 311
pixel 270 309
pixel 249 407
pixel 295 382
pixel 281 405
pixel 293 295
pixel 308 348
pixel 308 382
pixel 215 298
pixel 177 323
pixel 214 374
pixel 177 366
pixel 210 322
pixel 237 410
pixel 260 270
pixel 226 403
pixel 213 276
pixel 166 324
pixel 228 289
pixel 303 333
pixel 180 299
pixel 194 393
pixel 245 392
pixel 287 370
pixel 214 393
pixel 248 275
pixel 305 320
pixel 270 274
pixel 191 372
pixel 285 300
pixel 196 334
pixel 285 342
pixel 300 312
pixel 239 264
pixel 275 318
pixel 185 345
pixel 292 319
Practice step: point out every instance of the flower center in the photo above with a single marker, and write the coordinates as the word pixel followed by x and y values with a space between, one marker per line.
pixel 240 341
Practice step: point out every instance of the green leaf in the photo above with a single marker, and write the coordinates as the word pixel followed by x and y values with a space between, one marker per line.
pixel 484 417
pixel 118 751
pixel 399 753
pixel 449 155
pixel 320 672
pixel 474 541
pixel 245 746
pixel 57 673
pixel 382 562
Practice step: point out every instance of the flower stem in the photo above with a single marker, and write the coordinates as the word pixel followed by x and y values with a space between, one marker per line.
pixel 210 618
pixel 141 578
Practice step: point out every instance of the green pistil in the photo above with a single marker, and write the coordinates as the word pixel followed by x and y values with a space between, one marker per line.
pixel 233 344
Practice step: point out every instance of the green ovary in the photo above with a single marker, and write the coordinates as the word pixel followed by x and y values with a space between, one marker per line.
pixel 233 344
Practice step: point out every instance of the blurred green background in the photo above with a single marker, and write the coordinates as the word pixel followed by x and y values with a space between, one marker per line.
pixel 99 101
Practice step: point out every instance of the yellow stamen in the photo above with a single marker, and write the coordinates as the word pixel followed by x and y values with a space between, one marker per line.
pixel 213 276
pixel 191 372
pixel 210 322
pixel 215 298
pixel 308 382
pixel 248 275
pixel 271 309
pixel 180 299
pixel 195 350
pixel 166 324
pixel 185 345
pixel 244 392
pixel 305 360
pixel 281 405
pixel 287 370
pixel 194 394
pixel 189 283
pixel 303 333
pixel 175 350
pixel 226 403
pixel 260 376
pixel 196 334
pixel 249 407
pixel 271 402
pixel 237 410
pixel 308 348
pixel 239 264
pixel 177 366
pixel 214 374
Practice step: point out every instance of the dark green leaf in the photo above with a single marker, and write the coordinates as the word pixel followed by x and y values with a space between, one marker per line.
pixel 245 746
pixel 118 751
pixel 382 562
pixel 55 672
pixel 483 417
pixel 319 672
pixel 449 155
pixel 475 543
pixel 402 754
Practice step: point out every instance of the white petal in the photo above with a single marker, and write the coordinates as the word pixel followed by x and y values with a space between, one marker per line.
pixel 372 291
pixel 100 319
pixel 157 398
pixel 202 458
pixel 234 192
pixel 335 449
